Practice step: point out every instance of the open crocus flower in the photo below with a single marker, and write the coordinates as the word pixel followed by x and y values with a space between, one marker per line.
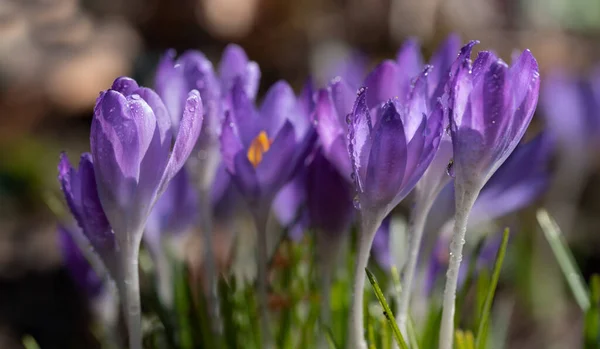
pixel 491 107
pixel 262 150
pixel 391 146
pixel 134 159
pixel 174 213
pixel 174 78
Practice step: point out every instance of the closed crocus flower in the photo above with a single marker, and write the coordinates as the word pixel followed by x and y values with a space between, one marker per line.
pixel 391 146
pixel 433 85
pixel 262 150
pixel 174 213
pixel 491 107
pixel 133 158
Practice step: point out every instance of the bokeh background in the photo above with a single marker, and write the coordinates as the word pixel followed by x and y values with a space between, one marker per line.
pixel 56 55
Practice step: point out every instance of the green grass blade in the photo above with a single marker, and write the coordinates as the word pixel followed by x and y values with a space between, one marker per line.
pixel 330 341
pixel 591 326
pixel 487 305
pixel 565 259
pixel 387 312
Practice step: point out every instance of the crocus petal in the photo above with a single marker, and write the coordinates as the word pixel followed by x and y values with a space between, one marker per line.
pixel 387 159
pixel 244 114
pixel 343 97
pixel 96 226
pixel 245 177
pixel 278 105
pixel 329 197
pixel 235 64
pixel 79 268
pixel 289 200
pixel 442 60
pixel 189 130
pixel 409 64
pixel 359 137
pixel 383 84
pixel 418 103
pixel 170 84
pixel 230 142
pixel 274 169
pixel 327 121
pixel 125 85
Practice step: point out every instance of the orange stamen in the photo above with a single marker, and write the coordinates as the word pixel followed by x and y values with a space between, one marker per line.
pixel 258 147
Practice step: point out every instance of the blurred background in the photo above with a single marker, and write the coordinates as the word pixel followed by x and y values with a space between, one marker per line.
pixel 56 55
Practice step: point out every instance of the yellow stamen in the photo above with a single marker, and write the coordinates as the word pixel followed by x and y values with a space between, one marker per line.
pixel 258 147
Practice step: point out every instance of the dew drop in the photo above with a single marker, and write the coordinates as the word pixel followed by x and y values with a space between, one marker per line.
pixel 448 131
pixel 356 202
pixel 360 90
pixel 349 118
pixel 136 96
pixel 231 124
pixel 315 122
pixel 450 168
pixel 353 176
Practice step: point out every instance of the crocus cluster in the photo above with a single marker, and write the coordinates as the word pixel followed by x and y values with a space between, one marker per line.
pixel 161 162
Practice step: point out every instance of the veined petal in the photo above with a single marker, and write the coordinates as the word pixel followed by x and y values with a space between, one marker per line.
pixel 418 104
pixel 387 159
pixel 189 130
pixel 524 86
pixel 360 139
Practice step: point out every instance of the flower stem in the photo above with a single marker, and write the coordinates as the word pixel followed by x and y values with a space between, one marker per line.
pixel 465 198
pixel 417 225
pixel 209 260
pixel 328 250
pixel 356 326
pixel 260 218
pixel 129 292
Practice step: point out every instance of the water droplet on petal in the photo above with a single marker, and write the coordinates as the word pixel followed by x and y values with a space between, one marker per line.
pixel 448 131
pixel 136 97
pixel 353 176
pixel 231 124
pixel 360 90
pixel 356 202
pixel 450 168
pixel 349 118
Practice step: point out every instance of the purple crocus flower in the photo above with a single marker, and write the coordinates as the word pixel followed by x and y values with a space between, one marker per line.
pixel 77 264
pixel 262 150
pixel 491 107
pixel 432 86
pixel 134 159
pixel 290 202
pixel 391 146
pixel 175 212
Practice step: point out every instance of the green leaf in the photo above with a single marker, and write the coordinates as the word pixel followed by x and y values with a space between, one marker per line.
pixel 387 312
pixel 330 340
pixel 230 329
pixel 487 306
pixel 565 259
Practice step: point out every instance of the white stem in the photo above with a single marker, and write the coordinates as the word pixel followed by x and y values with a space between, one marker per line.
pixel 356 327
pixel 329 245
pixel 417 225
pixel 465 198
pixel 261 217
pixel 129 291
pixel 209 259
